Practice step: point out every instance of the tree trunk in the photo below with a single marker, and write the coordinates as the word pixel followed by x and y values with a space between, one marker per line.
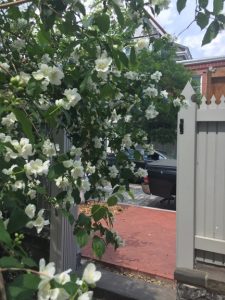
pixel 2 288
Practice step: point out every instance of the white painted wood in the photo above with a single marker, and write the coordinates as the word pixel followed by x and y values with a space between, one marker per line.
pixel 211 115
pixel 186 182
pixel 219 190
pixel 210 179
pixel 201 161
pixel 63 248
pixel 203 103
pixel 210 244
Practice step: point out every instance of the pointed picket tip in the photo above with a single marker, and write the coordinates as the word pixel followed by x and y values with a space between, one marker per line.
pixel 188 92
pixel 222 101
pixel 213 103
pixel 203 104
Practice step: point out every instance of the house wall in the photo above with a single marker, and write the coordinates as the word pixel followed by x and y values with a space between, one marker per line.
pixel 212 77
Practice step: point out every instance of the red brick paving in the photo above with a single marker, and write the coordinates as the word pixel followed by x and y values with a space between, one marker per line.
pixel 150 241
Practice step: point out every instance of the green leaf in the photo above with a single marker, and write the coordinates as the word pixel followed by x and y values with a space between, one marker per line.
pixel 23 287
pixel 217 6
pixel 107 91
pixel 211 33
pixel 202 20
pixel 25 123
pixel 98 212
pixel 27 261
pixel 4 235
pixel 17 220
pixel 103 22
pixel 203 3
pixel 44 38
pixel 112 200
pixel 221 18
pixel 10 262
pixel 123 58
pixel 132 56
pixel 83 220
pixel 82 237
pixel 131 194
pixel 56 171
pixel 181 5
pixel 119 14
pixel 98 246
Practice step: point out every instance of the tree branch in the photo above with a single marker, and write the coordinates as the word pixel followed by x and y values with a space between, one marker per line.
pixel 16 3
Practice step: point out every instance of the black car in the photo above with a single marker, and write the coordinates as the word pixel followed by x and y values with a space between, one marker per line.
pixel 161 179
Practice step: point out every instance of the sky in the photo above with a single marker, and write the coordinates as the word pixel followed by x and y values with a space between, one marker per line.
pixel 174 24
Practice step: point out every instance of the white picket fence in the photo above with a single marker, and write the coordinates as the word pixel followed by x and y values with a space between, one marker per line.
pixel 201 182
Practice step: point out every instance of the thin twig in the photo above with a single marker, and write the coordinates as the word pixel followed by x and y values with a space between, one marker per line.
pixel 5 70
pixel 16 3
pixel 186 28
pixel 24 270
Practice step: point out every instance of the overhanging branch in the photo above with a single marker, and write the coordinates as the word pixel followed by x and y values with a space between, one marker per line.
pixel 15 3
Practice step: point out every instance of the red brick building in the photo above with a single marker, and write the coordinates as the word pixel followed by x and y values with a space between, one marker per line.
pixel 209 75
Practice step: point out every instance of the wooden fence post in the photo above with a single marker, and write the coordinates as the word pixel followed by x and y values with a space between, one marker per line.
pixel 186 143
pixel 63 248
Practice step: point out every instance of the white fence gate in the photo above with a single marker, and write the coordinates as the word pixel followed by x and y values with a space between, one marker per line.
pixel 201 182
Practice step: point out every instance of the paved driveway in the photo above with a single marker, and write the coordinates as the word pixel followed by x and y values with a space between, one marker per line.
pixel 142 199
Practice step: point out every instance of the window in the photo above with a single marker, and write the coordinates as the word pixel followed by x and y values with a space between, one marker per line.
pixel 197 83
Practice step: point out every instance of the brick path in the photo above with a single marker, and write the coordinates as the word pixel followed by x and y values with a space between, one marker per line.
pixel 149 236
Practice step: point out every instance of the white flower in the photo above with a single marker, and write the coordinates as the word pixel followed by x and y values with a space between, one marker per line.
pixel 127 118
pixel 90 275
pixel 5 67
pixel 185 103
pixel 21 22
pixel 62 182
pixel 177 102
pixel 69 198
pixel 156 76
pixel 32 194
pixel 75 151
pixel 151 112
pixel 53 74
pixel 24 77
pixel 45 59
pixel 97 142
pixel 9 171
pixel 142 43
pixel 164 94
pixel 18 185
pixel 78 170
pixel 39 222
pixel 68 163
pixel 63 277
pixel 113 172
pixel 86 296
pixel 90 169
pixel 23 148
pixel 37 167
pixel 49 149
pixel 103 63
pixel 126 141
pixel 85 185
pixel 30 210
pixel 151 91
pixel 19 44
pixel 72 96
pixel 43 102
pixel 131 75
pixel 9 120
pixel 46 270
pixel 141 172
pixel 47 273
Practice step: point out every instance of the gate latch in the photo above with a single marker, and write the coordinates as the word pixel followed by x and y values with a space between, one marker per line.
pixel 181 126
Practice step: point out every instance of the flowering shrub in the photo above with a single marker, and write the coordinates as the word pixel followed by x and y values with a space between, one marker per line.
pixel 66 68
